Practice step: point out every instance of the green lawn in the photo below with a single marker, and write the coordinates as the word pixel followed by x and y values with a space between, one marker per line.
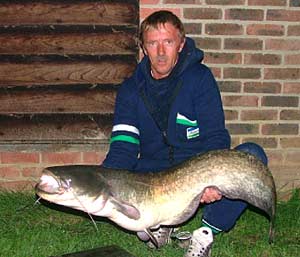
pixel 29 230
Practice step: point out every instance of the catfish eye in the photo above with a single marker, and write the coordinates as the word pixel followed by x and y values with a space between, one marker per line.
pixel 66 183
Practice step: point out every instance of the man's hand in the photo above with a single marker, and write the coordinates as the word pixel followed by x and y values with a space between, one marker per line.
pixel 210 195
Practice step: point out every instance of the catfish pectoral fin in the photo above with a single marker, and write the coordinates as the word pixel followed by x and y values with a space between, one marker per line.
pixel 127 209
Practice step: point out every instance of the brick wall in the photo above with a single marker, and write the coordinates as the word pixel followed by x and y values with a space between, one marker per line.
pixel 253 48
pixel 21 168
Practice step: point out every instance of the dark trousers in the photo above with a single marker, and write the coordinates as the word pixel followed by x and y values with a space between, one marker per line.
pixel 223 214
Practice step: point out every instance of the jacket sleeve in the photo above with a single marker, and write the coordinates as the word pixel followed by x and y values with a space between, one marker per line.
pixel 124 141
pixel 210 114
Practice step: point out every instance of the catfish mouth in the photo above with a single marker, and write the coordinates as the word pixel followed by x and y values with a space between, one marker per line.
pixel 51 185
pixel 60 191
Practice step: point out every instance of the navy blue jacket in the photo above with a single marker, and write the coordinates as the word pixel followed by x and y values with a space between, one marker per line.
pixel 193 121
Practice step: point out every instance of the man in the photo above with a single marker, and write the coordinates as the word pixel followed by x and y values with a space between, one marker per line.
pixel 169 110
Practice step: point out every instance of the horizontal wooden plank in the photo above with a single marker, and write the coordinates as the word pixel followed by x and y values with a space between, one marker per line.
pixel 34 101
pixel 61 28
pixel 68 12
pixel 100 43
pixel 43 72
pixel 47 128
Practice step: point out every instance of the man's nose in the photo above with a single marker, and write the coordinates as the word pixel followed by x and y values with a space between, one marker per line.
pixel 161 49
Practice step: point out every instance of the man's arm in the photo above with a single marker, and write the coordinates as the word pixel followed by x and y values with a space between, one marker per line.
pixel 124 141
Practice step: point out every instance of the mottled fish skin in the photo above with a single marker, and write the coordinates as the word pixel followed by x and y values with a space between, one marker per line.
pixel 138 201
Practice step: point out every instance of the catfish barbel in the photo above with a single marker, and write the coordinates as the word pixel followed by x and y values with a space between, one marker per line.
pixel 143 201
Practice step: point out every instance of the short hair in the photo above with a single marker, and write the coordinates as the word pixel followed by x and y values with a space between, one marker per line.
pixel 158 18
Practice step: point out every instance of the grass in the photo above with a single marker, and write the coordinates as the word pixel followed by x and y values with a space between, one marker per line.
pixel 40 230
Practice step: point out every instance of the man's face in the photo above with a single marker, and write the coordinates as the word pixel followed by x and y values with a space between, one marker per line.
pixel 162 46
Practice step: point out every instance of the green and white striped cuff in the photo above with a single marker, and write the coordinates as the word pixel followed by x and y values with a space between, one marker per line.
pixel 125 138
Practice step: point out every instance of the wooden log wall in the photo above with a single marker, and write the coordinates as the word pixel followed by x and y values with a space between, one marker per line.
pixel 61 62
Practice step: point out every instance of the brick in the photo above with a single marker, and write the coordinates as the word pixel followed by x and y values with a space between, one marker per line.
pixel 280 129
pixel 216 72
pixel 243 43
pixel 291 88
pixel 292 157
pixel 267 2
pixel 202 13
pixel 283 15
pixel 31 171
pixel 182 2
pixel 265 30
pixel 283 44
pixel 193 28
pixel 290 115
pixel 275 157
pixel 293 30
pixel 225 2
pixel 242 129
pixel 220 58
pixel 145 12
pixel 208 43
pixel 259 114
pixel 93 157
pixel 230 86
pixel 294 3
pixel 19 157
pixel 17 186
pixel 282 73
pixel 290 142
pixel 149 2
pixel 263 59
pixel 235 141
pixel 292 59
pixel 262 87
pixel 240 101
pixel 242 73
pixel 10 172
pixel 61 158
pixel 244 14
pixel 287 179
pixel 269 142
pixel 280 101
pixel 231 114
pixel 223 29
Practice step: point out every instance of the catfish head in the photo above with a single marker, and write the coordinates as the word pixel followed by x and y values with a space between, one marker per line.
pixel 83 188
pixel 72 187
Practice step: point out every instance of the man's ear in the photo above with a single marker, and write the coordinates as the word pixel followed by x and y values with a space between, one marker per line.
pixel 181 45
pixel 143 49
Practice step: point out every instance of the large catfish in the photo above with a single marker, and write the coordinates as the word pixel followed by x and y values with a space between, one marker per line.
pixel 141 201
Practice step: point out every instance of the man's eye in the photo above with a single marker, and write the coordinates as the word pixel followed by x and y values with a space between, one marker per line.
pixel 169 42
pixel 151 43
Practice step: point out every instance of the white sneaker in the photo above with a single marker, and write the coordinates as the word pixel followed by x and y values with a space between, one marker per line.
pixel 162 236
pixel 200 243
